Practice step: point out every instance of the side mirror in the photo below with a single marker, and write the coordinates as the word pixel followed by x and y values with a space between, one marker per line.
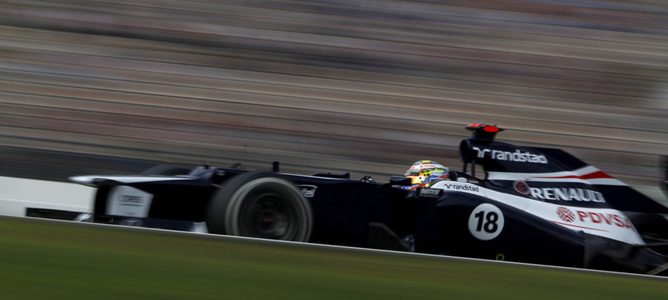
pixel 400 180
pixel 218 176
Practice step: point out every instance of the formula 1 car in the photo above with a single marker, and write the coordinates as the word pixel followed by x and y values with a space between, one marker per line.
pixel 530 204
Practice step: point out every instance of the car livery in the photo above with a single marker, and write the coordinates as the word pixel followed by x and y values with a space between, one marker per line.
pixel 527 204
pixel 605 222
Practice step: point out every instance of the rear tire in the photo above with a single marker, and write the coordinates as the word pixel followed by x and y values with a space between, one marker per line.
pixel 261 205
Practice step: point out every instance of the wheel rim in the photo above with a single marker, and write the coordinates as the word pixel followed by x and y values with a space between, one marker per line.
pixel 268 215
pixel 264 207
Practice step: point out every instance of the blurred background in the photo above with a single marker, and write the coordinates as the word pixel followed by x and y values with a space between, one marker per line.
pixel 333 85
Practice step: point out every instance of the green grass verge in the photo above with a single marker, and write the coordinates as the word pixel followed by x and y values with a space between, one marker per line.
pixel 55 260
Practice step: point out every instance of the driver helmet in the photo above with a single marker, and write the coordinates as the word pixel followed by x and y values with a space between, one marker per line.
pixel 423 173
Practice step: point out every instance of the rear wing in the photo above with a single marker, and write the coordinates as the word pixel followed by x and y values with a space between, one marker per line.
pixel 507 164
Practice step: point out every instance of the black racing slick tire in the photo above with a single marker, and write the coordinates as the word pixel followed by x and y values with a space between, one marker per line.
pixel 166 170
pixel 261 205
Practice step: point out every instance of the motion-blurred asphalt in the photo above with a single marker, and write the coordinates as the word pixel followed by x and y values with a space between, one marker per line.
pixel 340 85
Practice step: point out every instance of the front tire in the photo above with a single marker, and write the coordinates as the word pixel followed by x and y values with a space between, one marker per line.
pixel 262 205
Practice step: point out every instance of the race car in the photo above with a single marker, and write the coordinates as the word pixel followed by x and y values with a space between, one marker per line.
pixel 525 204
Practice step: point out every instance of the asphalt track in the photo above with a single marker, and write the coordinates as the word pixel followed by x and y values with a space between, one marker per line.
pixel 43 259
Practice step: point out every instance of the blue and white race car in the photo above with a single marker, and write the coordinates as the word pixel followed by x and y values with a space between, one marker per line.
pixel 527 204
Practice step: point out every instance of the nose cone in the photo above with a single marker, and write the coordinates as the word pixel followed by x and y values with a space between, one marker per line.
pixel 85 180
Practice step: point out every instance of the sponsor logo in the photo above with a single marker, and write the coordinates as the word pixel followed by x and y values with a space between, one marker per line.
pixel 604 218
pixel 430 193
pixel 131 200
pixel 128 202
pixel 567 194
pixel 308 191
pixel 521 187
pixel 517 156
pixel 592 217
pixel 461 187
pixel 565 214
